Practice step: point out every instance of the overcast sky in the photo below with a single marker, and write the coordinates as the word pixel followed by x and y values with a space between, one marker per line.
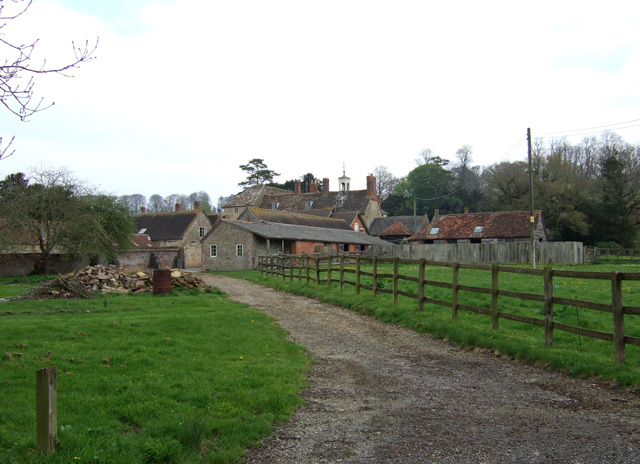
pixel 184 91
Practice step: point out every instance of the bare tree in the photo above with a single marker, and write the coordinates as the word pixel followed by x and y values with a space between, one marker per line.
pixel 424 156
pixel 156 203
pixel 386 181
pixel 17 72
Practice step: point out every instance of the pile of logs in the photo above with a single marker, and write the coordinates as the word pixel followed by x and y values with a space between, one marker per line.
pixel 106 279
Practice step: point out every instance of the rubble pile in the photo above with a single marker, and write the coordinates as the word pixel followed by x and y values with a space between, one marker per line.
pixel 106 279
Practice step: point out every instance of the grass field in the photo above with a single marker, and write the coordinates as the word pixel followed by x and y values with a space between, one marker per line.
pixel 576 355
pixel 185 378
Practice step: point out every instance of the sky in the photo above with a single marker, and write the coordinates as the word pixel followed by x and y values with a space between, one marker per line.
pixel 182 92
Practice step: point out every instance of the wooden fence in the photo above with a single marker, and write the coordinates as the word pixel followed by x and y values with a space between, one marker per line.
pixel 616 255
pixel 486 253
pixel 312 267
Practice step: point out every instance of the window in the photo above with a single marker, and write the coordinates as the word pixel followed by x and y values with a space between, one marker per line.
pixel 235 210
pixel 477 230
pixel 275 205
pixel 213 251
pixel 201 232
pixel 308 204
pixel 239 249
pixel 356 227
pixel 434 230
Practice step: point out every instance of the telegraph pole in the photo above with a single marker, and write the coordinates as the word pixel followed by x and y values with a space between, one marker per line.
pixel 531 210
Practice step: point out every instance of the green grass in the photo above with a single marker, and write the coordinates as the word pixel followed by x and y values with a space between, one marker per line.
pixel 578 356
pixel 184 378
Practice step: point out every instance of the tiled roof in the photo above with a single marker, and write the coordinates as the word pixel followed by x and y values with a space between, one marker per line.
pixel 355 200
pixel 347 216
pixel 396 229
pixel 141 241
pixel 304 233
pixel 251 195
pixel 280 217
pixel 165 226
pixel 324 212
pixel 504 224
pixel 380 224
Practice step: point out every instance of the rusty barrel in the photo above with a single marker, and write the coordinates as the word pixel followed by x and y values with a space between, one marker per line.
pixel 161 281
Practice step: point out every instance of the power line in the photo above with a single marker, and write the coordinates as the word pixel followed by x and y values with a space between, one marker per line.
pixel 591 130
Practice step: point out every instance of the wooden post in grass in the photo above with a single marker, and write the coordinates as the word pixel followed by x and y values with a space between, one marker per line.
pixel 548 307
pixel 421 284
pixel 46 409
pixel 454 287
pixel 329 259
pixel 342 272
pixel 306 258
pixel 395 280
pixel 494 296
pixel 317 270
pixel 358 275
pixel 618 317
pixel 375 276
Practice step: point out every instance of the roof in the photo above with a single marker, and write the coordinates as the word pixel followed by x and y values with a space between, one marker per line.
pixel 396 229
pixel 380 224
pixel 141 241
pixel 301 233
pixel 355 200
pixel 322 212
pixel 279 217
pixel 251 195
pixel 503 224
pixel 166 226
pixel 347 216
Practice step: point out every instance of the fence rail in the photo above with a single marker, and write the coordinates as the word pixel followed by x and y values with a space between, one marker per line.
pixel 311 268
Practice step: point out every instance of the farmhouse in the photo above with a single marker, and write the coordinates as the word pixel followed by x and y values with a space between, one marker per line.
pixel 365 203
pixel 236 245
pixel 505 226
pixel 173 238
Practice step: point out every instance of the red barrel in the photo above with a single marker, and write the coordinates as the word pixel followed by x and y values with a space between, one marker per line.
pixel 161 281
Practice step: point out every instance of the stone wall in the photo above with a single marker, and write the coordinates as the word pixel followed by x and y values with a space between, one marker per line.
pixel 226 238
pixel 157 258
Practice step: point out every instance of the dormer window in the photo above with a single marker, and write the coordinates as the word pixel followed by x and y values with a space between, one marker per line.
pixel 434 230
pixel 339 203
pixel 202 231
pixel 477 230
pixel 275 205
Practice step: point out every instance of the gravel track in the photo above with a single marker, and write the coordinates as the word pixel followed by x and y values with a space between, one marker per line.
pixel 384 394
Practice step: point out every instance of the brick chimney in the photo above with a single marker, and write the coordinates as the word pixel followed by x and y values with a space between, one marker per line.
pixel 436 215
pixel 466 211
pixel 371 188
pixel 313 186
pixel 143 209
pixel 177 206
pixel 297 187
pixel 325 185
pixel 196 205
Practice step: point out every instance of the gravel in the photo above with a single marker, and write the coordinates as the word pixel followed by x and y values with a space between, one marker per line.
pixel 384 394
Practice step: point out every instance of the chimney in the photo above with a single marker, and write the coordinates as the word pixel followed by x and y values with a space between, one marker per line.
pixel 313 187
pixel 466 211
pixel 143 209
pixel 371 187
pixel 325 185
pixel 196 205
pixel 177 206
pixel 296 187
pixel 436 215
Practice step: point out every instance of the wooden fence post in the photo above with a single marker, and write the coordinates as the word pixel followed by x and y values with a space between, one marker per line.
pixel 358 275
pixel 494 296
pixel 548 307
pixel 618 317
pixel 260 263
pixel 375 276
pixel 395 280
pixel 46 409
pixel 307 266
pixel 454 299
pixel 341 272
pixel 317 270
pixel 329 260
pixel 421 284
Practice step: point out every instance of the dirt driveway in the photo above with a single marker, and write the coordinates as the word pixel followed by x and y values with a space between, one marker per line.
pixel 383 394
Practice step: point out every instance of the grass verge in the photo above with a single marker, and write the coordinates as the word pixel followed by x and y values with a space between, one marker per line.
pixel 188 377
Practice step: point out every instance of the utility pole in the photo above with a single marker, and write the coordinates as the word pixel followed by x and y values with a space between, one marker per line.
pixel 531 210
